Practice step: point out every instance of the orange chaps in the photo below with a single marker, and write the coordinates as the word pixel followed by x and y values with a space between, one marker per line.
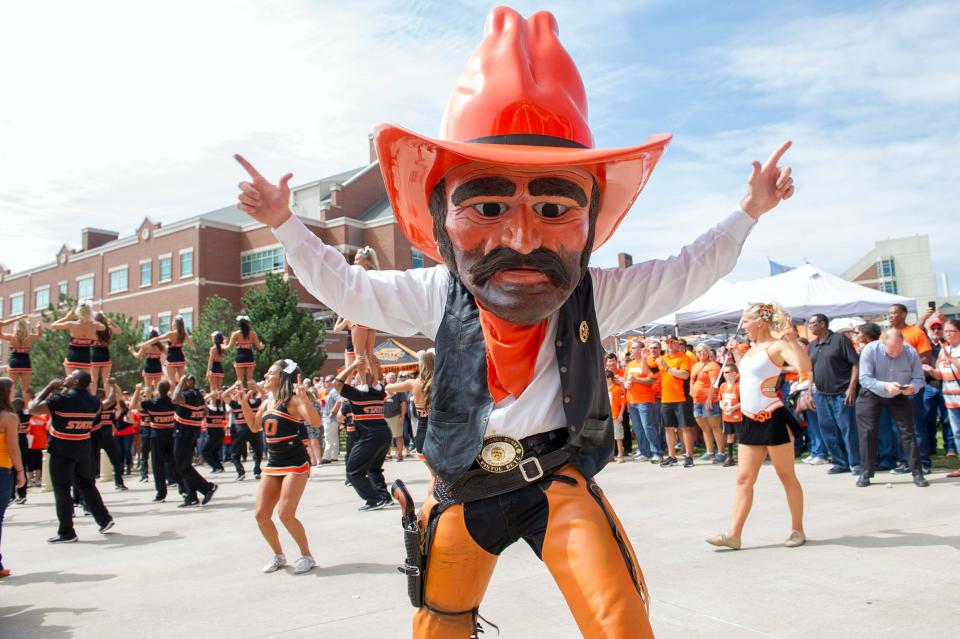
pixel 576 534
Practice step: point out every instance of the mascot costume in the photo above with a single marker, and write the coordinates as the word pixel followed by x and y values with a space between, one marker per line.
pixel 511 199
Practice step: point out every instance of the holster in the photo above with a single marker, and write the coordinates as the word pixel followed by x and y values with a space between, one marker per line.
pixel 414 565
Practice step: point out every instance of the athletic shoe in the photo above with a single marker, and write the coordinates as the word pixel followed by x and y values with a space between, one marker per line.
pixel 107 526
pixel 926 468
pixel 62 539
pixel 120 487
pixel 207 496
pixel 241 477
pixel 304 564
pixel 642 458
pixel 706 457
pixel 388 502
pixel 189 503
pixel 20 500
pixel 688 462
pixel 836 470
pixel 159 500
pixel 368 507
pixel 901 470
pixel 818 461
pixel 276 563
pixel 144 480
pixel 719 458
pixel 668 461
pixel 656 459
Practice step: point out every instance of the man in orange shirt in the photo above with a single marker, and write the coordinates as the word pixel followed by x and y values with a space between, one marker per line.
pixel 641 385
pixel 917 338
pixel 674 371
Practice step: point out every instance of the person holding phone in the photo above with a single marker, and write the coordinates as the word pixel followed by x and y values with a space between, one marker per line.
pixel 891 373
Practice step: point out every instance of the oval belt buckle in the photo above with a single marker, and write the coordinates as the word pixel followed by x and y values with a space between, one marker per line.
pixel 500 454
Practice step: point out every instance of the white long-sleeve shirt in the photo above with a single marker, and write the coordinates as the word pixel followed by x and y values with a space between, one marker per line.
pixel 410 302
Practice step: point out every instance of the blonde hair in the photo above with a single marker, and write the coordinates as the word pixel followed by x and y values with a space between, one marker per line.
pixel 84 312
pixel 21 329
pixel 771 313
pixel 370 256
pixel 426 359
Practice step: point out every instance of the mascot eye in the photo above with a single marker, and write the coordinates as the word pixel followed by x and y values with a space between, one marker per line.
pixel 490 209
pixel 550 209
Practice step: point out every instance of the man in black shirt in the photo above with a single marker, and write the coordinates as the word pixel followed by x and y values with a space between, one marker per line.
pixel 160 411
pixel 835 371
pixel 189 415
pixel 365 460
pixel 72 411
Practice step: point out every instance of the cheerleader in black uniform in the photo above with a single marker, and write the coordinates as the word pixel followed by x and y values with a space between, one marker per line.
pixel 100 363
pixel 245 339
pixel 152 370
pixel 83 329
pixel 216 425
pixel 288 463
pixel 21 341
pixel 214 365
pixel 175 339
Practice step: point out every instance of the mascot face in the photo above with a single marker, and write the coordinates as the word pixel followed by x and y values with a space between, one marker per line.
pixel 517 237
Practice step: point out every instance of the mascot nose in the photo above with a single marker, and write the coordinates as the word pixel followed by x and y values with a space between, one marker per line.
pixel 521 230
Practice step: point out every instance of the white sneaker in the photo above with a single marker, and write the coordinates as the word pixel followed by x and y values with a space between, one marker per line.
pixel 304 564
pixel 656 459
pixel 276 563
pixel 642 458
pixel 807 459
pixel 818 461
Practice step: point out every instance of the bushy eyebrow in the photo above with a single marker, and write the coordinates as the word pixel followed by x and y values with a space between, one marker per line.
pixel 558 187
pixel 500 186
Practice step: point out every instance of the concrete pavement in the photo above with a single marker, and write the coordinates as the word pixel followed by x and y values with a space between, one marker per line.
pixel 881 562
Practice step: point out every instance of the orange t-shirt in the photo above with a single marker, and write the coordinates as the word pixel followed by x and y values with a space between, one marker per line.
pixel 730 396
pixel 639 393
pixel 916 338
pixel 703 376
pixel 671 388
pixel 616 400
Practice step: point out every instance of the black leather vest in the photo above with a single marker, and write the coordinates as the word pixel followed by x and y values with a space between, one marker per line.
pixel 461 402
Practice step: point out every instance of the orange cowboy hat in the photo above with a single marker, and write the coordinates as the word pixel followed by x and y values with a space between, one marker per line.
pixel 519 101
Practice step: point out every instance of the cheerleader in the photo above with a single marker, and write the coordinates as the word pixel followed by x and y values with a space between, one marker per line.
pixel 288 464
pixel 214 365
pixel 21 341
pixel 83 329
pixel 100 364
pixel 216 423
pixel 176 363
pixel 152 370
pixel 245 339
pixel 124 430
pixel 364 339
pixel 349 354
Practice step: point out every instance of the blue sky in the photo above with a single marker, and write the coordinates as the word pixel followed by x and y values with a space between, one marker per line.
pixel 136 113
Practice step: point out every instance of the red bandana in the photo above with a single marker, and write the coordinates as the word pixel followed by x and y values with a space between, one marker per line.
pixel 511 353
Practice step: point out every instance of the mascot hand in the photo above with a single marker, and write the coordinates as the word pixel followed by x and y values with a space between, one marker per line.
pixel 768 184
pixel 266 203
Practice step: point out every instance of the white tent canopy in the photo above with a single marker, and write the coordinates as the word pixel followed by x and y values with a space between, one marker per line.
pixel 803 292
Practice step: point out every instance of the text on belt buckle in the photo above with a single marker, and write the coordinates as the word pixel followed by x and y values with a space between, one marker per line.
pixel 500 454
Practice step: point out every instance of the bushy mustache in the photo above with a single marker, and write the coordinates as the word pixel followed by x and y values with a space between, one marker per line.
pixel 502 258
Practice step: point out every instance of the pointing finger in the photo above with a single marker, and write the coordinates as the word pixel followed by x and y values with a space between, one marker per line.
pixel 778 154
pixel 249 167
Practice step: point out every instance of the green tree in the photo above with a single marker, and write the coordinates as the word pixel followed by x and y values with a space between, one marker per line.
pixel 286 330
pixel 217 314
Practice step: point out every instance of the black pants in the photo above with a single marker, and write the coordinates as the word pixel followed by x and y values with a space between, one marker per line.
pixel 161 445
pixel 184 446
pixel 146 435
pixel 69 465
pixel 211 449
pixel 365 463
pixel 350 438
pixel 240 439
pixel 104 439
pixel 868 422
pixel 21 493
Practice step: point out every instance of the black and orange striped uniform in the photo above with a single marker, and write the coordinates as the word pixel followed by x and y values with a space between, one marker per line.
pixel 78 352
pixel 175 358
pixel 286 437
pixel 19 361
pixel 160 414
pixel 191 411
pixel 243 357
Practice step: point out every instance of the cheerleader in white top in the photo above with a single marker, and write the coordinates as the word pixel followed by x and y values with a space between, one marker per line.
pixel 768 428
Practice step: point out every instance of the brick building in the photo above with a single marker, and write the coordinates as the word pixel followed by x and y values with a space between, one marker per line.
pixel 161 270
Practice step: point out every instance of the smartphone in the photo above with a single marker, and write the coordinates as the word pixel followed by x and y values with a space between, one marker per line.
pixel 932 306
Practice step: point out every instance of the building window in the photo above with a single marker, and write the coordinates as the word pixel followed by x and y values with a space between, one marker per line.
pixel 889 287
pixel 118 280
pixel 186 263
pixel 163 322
pixel 885 268
pixel 259 262
pixel 417 257
pixel 16 304
pixel 41 298
pixel 1 307
pixel 143 323
pixel 166 269
pixel 146 273
pixel 187 314
pixel 85 288
pixel 62 291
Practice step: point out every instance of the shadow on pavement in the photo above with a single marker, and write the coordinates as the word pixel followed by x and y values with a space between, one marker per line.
pixel 897 539
pixel 354 569
pixel 120 540
pixel 53 577
pixel 24 622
